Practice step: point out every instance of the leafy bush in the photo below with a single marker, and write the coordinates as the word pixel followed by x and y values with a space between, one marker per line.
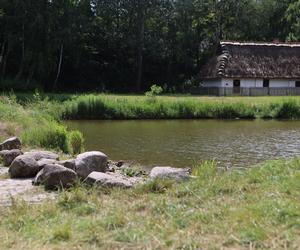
pixel 76 141
pixel 154 91
pixel 50 136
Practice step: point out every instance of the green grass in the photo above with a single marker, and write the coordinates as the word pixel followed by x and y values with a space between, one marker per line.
pixel 97 106
pixel 37 123
pixel 103 106
pixel 258 208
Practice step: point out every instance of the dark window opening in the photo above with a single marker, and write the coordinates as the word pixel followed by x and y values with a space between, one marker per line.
pixel 266 83
pixel 236 86
pixel 297 84
pixel 236 83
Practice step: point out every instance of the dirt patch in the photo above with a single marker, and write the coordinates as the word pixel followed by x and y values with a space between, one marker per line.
pixel 3 171
pixel 21 189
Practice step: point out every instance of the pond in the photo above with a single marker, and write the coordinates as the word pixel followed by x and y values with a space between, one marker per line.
pixel 182 143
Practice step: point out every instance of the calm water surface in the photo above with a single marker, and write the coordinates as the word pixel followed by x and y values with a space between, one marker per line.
pixel 185 142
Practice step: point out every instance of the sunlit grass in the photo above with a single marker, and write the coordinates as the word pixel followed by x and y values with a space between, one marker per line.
pixel 95 106
pixel 258 208
pixel 36 123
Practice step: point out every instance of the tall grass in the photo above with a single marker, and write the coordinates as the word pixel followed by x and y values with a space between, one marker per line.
pixel 37 123
pixel 129 107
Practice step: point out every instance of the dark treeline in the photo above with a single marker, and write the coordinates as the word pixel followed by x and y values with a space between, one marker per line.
pixel 127 45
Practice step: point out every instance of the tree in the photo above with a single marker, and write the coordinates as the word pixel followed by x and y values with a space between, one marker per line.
pixel 293 18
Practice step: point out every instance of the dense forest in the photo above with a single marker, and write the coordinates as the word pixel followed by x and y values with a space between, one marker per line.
pixel 128 45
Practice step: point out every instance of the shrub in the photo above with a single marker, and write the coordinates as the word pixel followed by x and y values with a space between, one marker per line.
pixel 154 91
pixel 50 136
pixel 76 141
pixel 288 110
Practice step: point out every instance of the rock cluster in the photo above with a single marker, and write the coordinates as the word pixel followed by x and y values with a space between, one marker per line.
pixel 91 167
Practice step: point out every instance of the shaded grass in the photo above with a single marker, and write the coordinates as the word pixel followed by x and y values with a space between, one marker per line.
pixel 257 208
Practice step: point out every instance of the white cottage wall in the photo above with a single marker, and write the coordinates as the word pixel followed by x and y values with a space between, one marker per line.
pixel 227 83
pixel 212 83
pixel 281 83
pixel 248 83
pixel 259 83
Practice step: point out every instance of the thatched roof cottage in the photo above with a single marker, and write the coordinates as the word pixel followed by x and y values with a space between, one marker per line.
pixel 253 69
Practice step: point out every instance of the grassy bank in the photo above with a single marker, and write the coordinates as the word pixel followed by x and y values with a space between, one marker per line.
pixel 101 106
pixel 36 117
pixel 255 209
pixel 184 107
pixel 36 123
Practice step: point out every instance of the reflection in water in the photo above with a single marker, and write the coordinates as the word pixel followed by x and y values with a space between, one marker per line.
pixel 185 142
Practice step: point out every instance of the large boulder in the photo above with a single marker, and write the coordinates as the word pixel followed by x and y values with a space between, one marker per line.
pixel 110 180
pixel 11 143
pixel 39 154
pixel 179 174
pixel 89 162
pixel 9 155
pixel 24 166
pixel 43 162
pixel 70 164
pixel 54 176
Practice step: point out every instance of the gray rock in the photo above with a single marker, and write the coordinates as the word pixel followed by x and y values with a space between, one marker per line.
pixel 43 162
pixel 89 162
pixel 70 164
pixel 39 154
pixel 11 143
pixel 109 180
pixel 54 176
pixel 9 155
pixel 24 166
pixel 179 174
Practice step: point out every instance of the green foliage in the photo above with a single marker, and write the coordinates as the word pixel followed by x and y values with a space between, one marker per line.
pixel 154 91
pixel 9 84
pixel 76 142
pixel 35 122
pixel 50 136
pixel 172 38
pixel 293 18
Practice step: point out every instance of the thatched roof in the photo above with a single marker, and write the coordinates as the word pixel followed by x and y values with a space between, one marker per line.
pixel 254 60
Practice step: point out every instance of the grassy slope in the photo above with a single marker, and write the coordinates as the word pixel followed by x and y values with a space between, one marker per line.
pixel 257 208
pixel 37 123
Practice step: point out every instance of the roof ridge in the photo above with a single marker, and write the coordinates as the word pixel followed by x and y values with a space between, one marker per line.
pixel 222 61
pixel 276 44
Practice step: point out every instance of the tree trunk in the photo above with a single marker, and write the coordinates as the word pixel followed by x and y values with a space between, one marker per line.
pixel 169 73
pixel 2 53
pixel 4 62
pixel 58 67
pixel 30 74
pixel 20 72
pixel 140 47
